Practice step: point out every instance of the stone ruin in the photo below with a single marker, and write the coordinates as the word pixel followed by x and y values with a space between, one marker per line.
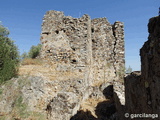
pixel 142 90
pixel 93 47
pixel 88 58
pixel 91 50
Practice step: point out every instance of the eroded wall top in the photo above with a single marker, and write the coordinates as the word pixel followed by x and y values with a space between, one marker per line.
pixel 84 44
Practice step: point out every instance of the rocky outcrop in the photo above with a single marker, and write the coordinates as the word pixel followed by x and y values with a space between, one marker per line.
pixel 21 98
pixel 38 98
pixel 142 92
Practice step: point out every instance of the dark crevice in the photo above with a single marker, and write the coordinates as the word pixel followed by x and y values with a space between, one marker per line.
pixel 114 49
pixel 74 49
pixel 57 32
pixel 47 33
pixel 48 51
pixel 73 61
pixel 92 30
pixel 93 40
pixel 49 109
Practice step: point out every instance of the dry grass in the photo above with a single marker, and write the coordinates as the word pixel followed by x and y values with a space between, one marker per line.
pixel 30 61
pixel 36 67
pixel 36 70
pixel 90 105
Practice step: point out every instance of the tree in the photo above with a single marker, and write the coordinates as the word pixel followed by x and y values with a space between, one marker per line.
pixel 9 56
pixel 34 51
pixel 129 69
pixel 24 55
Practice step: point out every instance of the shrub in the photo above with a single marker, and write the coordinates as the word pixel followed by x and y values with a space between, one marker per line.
pixel 34 51
pixel 9 57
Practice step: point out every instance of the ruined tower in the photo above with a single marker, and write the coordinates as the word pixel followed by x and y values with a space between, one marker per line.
pixel 94 48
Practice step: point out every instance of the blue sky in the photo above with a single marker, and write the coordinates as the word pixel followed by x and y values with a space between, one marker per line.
pixel 24 19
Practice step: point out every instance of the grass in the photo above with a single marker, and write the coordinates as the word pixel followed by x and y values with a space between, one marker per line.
pixel 30 61
pixel 21 107
pixel 20 111
pixel 37 116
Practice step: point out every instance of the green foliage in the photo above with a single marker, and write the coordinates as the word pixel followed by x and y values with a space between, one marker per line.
pixel 4 32
pixel 1 91
pixel 34 51
pixel 9 56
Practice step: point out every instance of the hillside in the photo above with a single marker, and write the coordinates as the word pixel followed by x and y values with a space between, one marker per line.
pixel 37 89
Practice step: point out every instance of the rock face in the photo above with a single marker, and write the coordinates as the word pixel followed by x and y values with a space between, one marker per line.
pixel 142 91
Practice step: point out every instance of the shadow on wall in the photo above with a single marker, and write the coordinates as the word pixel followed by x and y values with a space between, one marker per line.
pixel 104 110
pixel 81 115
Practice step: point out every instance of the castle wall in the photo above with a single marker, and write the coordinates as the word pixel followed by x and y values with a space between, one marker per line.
pixel 65 39
pixel 102 48
pixel 93 47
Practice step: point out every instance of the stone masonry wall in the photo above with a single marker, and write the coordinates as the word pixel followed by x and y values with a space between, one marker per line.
pixel 92 51
pixel 93 47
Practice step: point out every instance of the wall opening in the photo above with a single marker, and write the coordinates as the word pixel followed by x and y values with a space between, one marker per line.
pixel 92 30
pixel 64 31
pixel 57 32
pixel 74 49
pixel 48 51
pixel 47 33
pixel 93 40
pixel 74 61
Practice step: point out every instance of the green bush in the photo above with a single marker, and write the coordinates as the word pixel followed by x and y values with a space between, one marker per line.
pixel 34 51
pixel 9 57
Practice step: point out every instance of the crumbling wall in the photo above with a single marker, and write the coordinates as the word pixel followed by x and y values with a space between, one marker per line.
pixel 65 39
pixel 143 91
pixel 92 49
pixel 84 44
pixel 102 50
pixel 118 49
